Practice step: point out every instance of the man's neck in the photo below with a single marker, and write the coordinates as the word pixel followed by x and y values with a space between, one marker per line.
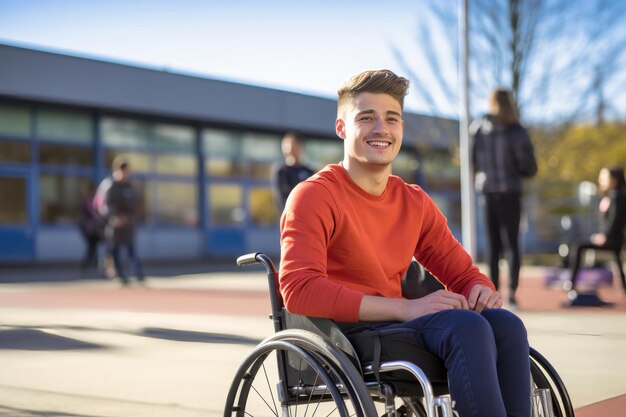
pixel 371 178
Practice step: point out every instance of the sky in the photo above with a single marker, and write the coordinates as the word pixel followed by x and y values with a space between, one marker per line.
pixel 306 46
pixel 310 47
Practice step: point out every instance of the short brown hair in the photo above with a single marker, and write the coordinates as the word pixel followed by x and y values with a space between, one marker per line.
pixel 120 162
pixel 375 81
pixel 502 106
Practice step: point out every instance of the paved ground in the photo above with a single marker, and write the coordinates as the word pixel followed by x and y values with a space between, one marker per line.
pixel 86 348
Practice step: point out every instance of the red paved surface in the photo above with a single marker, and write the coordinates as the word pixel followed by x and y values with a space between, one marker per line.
pixel 533 295
pixel 197 301
pixel 613 407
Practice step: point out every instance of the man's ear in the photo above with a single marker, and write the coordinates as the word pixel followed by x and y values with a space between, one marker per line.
pixel 340 128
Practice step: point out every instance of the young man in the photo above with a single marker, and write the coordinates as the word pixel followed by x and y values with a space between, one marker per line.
pixel 348 235
pixel 286 175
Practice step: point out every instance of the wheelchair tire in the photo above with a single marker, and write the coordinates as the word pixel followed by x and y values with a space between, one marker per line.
pixel 333 357
pixel 545 376
pixel 258 391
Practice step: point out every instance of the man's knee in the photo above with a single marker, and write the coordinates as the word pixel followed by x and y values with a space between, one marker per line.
pixel 470 327
pixel 503 322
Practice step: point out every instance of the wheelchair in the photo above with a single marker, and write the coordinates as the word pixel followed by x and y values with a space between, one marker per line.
pixel 309 368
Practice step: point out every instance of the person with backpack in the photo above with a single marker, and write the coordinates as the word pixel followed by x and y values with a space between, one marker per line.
pixel 91 226
pixel 101 210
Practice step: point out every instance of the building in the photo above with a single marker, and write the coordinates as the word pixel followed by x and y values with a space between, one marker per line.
pixel 200 149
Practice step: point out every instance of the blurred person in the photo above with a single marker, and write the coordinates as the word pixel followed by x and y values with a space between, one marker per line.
pixel 286 175
pixel 121 203
pixel 502 155
pixel 91 226
pixel 612 214
pixel 348 234
pixel 99 204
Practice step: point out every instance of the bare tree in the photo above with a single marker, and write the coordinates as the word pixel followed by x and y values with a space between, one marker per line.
pixel 560 58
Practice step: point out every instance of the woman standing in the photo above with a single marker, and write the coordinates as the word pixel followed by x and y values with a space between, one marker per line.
pixel 502 155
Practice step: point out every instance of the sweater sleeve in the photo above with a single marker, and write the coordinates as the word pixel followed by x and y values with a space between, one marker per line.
pixel 307 225
pixel 443 256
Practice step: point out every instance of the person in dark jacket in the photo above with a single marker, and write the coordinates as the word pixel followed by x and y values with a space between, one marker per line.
pixel 291 172
pixel 121 202
pixel 502 156
pixel 612 212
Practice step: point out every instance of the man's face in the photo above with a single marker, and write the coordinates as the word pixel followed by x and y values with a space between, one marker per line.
pixel 371 126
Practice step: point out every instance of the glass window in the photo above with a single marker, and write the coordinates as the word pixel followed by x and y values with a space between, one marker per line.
pixel 319 153
pixel 223 167
pixel 405 166
pixel 225 204
pixel 222 150
pixel 263 210
pixel 50 154
pixel 64 125
pixel 15 121
pixel 60 198
pixel 139 162
pixel 117 131
pixel 260 170
pixel 145 193
pixel 15 152
pixel 177 203
pixel 177 164
pixel 174 137
pixel 220 143
pixel 259 152
pixel 439 172
pixel 13 203
pixel 260 147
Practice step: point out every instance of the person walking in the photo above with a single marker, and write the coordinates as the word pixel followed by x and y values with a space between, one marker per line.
pixel 121 202
pixel 348 235
pixel 502 155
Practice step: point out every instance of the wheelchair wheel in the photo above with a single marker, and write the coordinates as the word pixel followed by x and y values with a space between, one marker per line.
pixel 258 390
pixel 545 376
pixel 333 357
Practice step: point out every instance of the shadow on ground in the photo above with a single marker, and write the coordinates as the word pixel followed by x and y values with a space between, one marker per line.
pixel 44 339
pixel 37 339
pixel 191 336
pixel 23 412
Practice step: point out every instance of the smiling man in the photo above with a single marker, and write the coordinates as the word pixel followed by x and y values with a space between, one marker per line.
pixel 348 235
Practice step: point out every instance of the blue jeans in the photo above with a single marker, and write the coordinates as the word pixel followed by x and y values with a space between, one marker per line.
pixel 132 259
pixel 486 356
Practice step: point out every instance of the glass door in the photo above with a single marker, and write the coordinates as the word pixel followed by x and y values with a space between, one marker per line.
pixel 16 226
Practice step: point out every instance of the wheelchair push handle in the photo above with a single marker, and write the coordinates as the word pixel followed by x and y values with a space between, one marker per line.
pixel 256 258
pixel 247 259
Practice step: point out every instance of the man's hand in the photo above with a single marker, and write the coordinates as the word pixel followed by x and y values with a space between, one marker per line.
pixel 375 308
pixel 482 297
pixel 433 303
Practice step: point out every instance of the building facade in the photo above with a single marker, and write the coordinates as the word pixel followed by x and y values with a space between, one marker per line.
pixel 201 151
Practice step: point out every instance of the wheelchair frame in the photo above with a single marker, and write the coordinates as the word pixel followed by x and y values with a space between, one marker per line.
pixel 317 364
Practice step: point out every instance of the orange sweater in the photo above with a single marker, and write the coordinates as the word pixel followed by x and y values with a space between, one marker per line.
pixel 339 242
